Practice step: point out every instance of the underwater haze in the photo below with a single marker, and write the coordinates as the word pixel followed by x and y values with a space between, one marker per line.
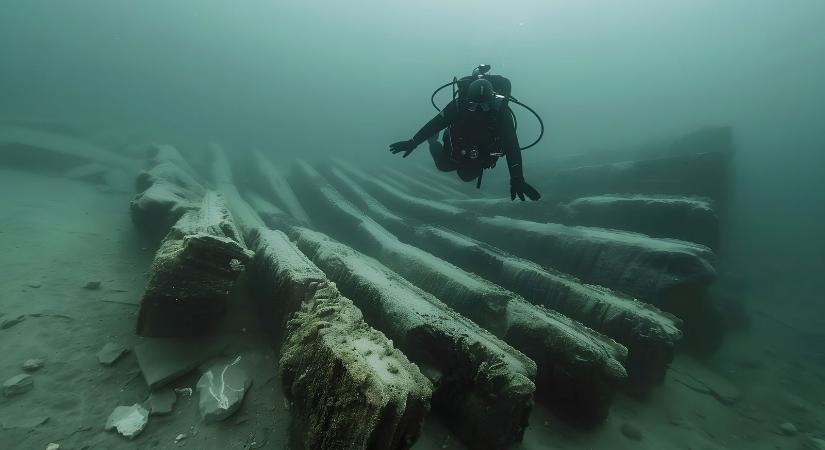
pixel 320 79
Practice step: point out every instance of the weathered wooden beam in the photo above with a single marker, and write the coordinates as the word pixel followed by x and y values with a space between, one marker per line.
pixel 193 273
pixel 672 275
pixel 578 368
pixel 165 191
pixel 446 181
pixel 345 184
pixel 648 333
pixel 352 390
pixel 686 218
pixel 277 188
pixel 402 202
pixel 483 387
pixel 648 268
pixel 702 174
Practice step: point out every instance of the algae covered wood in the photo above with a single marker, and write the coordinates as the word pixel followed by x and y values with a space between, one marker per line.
pixel 672 275
pixel 649 268
pixel 165 191
pixel 689 219
pixel 578 368
pixel 351 389
pixel 363 199
pixel 407 204
pixel 648 333
pixel 704 173
pixel 193 273
pixel 483 386
pixel 278 189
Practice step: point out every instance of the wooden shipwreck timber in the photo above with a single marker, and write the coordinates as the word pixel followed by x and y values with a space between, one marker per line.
pixel 395 298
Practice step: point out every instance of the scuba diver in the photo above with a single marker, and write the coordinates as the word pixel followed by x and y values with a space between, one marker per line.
pixel 479 127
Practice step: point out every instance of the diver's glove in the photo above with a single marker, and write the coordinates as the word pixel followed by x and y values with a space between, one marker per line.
pixel 520 188
pixel 403 146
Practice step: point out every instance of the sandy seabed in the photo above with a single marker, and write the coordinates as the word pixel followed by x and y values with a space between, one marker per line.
pixel 57 235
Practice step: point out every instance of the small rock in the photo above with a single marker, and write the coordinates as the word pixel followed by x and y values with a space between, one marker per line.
pixel 788 429
pixel 631 431
pixel 222 389
pixel 165 360
pixel 18 384
pixel 8 323
pixel 796 404
pixel 52 446
pixel 92 285
pixel 128 420
pixel 33 365
pixel 682 423
pixel 110 353
pixel 161 402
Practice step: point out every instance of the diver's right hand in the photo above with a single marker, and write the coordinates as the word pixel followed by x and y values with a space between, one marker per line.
pixel 403 146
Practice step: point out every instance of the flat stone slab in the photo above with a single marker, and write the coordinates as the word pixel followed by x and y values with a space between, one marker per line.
pixel 161 402
pixel 163 360
pixel 129 421
pixel 221 390
pixel 33 364
pixel 110 353
pixel 18 384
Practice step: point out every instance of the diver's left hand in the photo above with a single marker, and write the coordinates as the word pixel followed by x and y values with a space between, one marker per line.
pixel 520 188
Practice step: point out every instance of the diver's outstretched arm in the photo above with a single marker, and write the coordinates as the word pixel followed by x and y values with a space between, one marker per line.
pixel 441 121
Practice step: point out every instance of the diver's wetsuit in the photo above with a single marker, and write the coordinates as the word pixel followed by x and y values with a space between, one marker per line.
pixel 493 131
